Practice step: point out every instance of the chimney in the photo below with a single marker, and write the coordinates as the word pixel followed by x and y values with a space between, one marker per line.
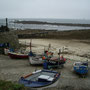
pixel 6 22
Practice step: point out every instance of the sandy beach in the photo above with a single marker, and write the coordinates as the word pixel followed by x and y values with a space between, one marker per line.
pixel 58 34
pixel 73 50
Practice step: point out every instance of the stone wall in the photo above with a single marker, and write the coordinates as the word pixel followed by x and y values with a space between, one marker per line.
pixel 54 34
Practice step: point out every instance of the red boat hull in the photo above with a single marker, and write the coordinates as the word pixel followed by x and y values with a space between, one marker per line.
pixel 17 56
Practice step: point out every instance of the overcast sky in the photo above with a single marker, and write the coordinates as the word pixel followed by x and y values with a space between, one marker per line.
pixel 63 9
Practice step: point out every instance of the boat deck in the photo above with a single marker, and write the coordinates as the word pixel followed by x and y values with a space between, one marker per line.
pixel 35 76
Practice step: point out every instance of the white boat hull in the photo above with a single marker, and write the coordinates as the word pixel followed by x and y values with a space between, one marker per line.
pixel 35 60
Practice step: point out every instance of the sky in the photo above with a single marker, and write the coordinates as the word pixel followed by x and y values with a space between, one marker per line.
pixel 62 9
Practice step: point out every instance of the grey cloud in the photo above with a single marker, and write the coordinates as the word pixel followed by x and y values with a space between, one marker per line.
pixel 75 9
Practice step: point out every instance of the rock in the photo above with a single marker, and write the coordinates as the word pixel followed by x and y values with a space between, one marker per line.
pixel 9 37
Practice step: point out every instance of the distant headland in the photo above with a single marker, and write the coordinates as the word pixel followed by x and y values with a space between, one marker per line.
pixel 49 23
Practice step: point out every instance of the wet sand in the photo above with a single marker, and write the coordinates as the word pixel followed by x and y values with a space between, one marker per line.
pixel 76 50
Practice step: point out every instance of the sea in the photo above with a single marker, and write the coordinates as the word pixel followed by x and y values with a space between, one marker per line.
pixel 17 26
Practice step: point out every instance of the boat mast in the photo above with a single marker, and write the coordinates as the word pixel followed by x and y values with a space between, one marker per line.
pixel 59 56
pixel 30 45
pixel 49 47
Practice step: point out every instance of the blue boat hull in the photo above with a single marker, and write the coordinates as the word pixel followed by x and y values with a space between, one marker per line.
pixel 81 70
pixel 36 84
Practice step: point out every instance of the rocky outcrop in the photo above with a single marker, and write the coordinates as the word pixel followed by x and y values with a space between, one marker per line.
pixel 9 37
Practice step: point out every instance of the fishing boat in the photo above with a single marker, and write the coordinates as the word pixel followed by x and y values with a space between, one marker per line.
pixel 54 62
pixel 35 59
pixel 18 54
pixel 40 78
pixel 14 55
pixel 39 58
pixel 81 67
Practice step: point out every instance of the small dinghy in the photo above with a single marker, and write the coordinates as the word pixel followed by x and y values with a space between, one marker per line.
pixel 40 78
pixel 14 55
pixel 81 67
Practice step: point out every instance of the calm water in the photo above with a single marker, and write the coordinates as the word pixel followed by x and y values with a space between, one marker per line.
pixel 46 26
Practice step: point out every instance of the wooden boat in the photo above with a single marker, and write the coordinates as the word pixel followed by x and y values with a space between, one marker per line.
pixel 81 67
pixel 54 62
pixel 14 55
pixel 40 78
pixel 35 59
pixel 61 59
pixel 39 59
